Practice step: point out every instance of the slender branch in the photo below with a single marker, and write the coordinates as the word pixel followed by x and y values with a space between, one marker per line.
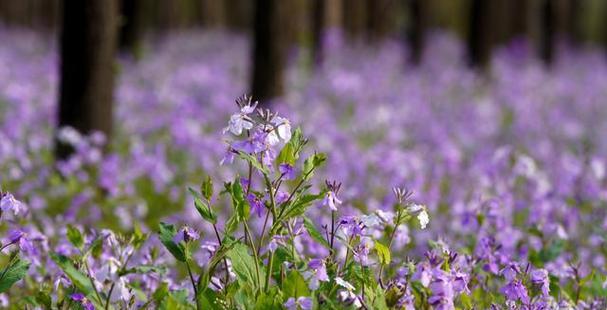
pixel 187 264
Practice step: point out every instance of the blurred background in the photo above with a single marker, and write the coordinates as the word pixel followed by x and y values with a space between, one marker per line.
pixel 91 34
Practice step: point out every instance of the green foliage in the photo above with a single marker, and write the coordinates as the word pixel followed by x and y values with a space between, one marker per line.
pixel 80 281
pixel 245 267
pixel 12 273
pixel 314 233
pixel 203 208
pixel 383 253
pixel 167 233
pixel 290 152
pixel 75 236
pixel 311 163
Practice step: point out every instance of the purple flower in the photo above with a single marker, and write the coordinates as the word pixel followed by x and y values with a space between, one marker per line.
pixel 287 171
pixel 256 204
pixel 331 201
pixel 20 238
pixel 540 277
pixel 514 291
pixel 186 235
pixel 303 303
pixel 9 203
pixel 317 273
pixel 83 301
pixel 281 197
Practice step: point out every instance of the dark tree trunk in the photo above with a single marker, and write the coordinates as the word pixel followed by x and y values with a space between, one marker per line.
pixel 574 32
pixel 213 13
pixel 269 50
pixel 132 26
pixel 416 30
pixel 547 36
pixel 88 43
pixel 355 18
pixel 379 19
pixel 319 14
pixel 479 33
pixel 519 14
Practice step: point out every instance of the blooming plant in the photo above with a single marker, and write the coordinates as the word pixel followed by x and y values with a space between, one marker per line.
pixel 508 173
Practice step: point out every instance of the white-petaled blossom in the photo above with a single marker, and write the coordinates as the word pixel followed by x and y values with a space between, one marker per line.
pixel 423 218
pixel 283 127
pixel 331 200
pixel 240 121
pixel 421 212
pixel 343 283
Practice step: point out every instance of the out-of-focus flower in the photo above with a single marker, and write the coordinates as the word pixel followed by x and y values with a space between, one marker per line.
pixel 331 201
pixel 540 277
pixel 287 171
pixel 317 273
pixel 83 301
pixel 303 303
pixel 9 203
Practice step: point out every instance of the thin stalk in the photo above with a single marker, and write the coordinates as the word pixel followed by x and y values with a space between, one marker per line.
pixel 187 264
pixel 252 245
pixel 397 223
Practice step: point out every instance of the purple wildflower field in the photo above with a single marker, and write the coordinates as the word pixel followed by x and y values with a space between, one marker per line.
pixel 366 186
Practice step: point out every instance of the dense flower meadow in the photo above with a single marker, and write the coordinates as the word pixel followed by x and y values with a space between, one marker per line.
pixel 371 184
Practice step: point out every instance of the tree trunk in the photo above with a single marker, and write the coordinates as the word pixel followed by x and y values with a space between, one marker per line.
pixel 132 26
pixel 88 43
pixel 269 49
pixel 355 18
pixel 547 36
pixel 319 14
pixel 379 19
pixel 479 33
pixel 416 30
pixel 213 13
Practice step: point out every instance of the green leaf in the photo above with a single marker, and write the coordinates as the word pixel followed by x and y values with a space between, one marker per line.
pixel 203 208
pixel 314 233
pixel 383 253
pixel 290 152
pixel 166 234
pixel 295 285
pixel 311 163
pixel 300 205
pixel 244 265
pixel 241 207
pixel 80 281
pixel 44 299
pixel 144 269
pixel 13 273
pixel 206 188
pixel 75 236
pixel 254 162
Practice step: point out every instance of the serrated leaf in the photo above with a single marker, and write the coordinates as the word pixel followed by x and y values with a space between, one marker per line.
pixel 314 233
pixel 75 236
pixel 166 234
pixel 383 253
pixel 241 207
pixel 290 152
pixel 206 188
pixel 13 273
pixel 80 281
pixel 144 269
pixel 254 162
pixel 203 208
pixel 311 163
pixel 244 265
pixel 295 285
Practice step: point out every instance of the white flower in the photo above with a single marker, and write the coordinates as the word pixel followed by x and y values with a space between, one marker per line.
pixel 331 200
pixel 240 121
pixel 283 127
pixel 423 218
pixel 344 283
